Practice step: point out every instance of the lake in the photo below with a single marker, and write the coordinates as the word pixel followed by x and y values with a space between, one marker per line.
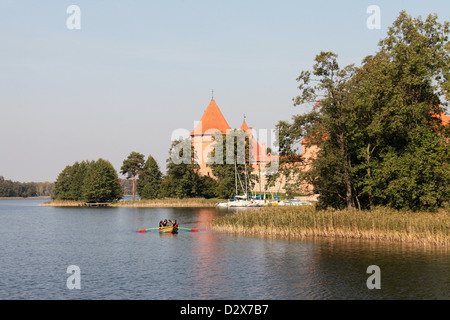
pixel 117 262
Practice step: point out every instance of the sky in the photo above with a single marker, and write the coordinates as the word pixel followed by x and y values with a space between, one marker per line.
pixel 136 71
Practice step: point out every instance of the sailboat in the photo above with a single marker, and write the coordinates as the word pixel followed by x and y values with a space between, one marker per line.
pixel 237 201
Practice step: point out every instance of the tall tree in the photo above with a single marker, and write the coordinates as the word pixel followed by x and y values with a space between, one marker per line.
pixel 149 181
pixel 69 184
pixel 330 128
pixel 182 180
pixel 132 166
pixel 232 165
pixel 101 183
pixel 381 141
pixel 407 141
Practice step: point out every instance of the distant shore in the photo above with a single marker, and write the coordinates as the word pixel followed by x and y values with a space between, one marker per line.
pixel 19 198
pixel 381 224
pixel 169 202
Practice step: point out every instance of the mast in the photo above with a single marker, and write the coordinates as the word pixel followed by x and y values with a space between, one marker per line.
pixel 245 167
pixel 235 175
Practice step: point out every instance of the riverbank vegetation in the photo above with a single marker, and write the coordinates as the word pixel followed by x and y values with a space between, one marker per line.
pixel 168 202
pixel 379 127
pixel 384 224
pixel 62 203
pixel 163 202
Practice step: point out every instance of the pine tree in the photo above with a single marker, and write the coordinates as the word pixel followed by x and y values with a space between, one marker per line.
pixel 150 178
pixel 132 166
pixel 101 183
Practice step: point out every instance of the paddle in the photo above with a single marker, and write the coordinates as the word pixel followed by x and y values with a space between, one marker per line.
pixel 193 230
pixel 142 230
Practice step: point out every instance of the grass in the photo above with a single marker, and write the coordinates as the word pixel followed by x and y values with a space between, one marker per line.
pixel 428 228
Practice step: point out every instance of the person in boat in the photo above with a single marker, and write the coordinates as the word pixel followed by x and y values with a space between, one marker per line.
pixel 160 223
pixel 175 226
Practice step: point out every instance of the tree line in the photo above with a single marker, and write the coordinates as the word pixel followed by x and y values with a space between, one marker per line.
pixel 181 179
pixel 97 181
pixel 377 126
pixel 9 189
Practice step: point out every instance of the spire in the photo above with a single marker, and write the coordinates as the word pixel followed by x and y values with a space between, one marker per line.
pixel 244 125
pixel 212 119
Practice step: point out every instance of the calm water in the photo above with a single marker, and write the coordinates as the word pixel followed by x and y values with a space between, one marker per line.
pixel 116 262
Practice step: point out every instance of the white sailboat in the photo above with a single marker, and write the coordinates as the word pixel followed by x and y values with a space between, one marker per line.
pixel 237 201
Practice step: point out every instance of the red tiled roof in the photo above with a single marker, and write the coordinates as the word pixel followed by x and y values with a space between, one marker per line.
pixel 212 119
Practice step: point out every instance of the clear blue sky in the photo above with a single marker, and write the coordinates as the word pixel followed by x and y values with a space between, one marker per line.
pixel 138 70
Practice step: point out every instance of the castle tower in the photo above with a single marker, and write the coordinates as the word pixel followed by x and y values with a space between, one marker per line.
pixel 202 135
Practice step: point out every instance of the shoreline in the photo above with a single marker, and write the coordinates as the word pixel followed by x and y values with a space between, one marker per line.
pixel 163 203
pixel 381 224
pixel 20 198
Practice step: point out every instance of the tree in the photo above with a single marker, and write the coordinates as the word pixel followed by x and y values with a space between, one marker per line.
pixel 232 166
pixel 69 184
pixel 380 140
pixel 150 178
pixel 182 180
pixel 330 127
pixel 132 166
pixel 63 184
pixel 407 141
pixel 101 183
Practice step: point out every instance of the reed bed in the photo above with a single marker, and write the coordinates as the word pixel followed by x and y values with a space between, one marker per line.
pixel 168 202
pixel 428 228
pixel 61 203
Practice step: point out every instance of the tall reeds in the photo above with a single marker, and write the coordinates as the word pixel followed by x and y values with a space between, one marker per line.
pixel 167 202
pixel 376 224
pixel 62 203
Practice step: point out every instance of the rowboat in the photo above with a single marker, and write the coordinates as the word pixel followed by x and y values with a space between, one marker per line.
pixel 170 229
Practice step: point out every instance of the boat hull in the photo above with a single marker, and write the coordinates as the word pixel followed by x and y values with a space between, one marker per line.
pixel 170 229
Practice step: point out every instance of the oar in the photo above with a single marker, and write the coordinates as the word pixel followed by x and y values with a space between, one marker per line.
pixel 142 230
pixel 193 230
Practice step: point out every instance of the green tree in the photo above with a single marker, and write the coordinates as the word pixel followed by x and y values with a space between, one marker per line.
pixel 132 166
pixel 232 164
pixel 182 180
pixel 149 181
pixel 330 127
pixel 380 140
pixel 101 183
pixel 69 184
pixel 404 139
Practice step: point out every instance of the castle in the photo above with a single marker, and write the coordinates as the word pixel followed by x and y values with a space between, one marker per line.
pixel 211 123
